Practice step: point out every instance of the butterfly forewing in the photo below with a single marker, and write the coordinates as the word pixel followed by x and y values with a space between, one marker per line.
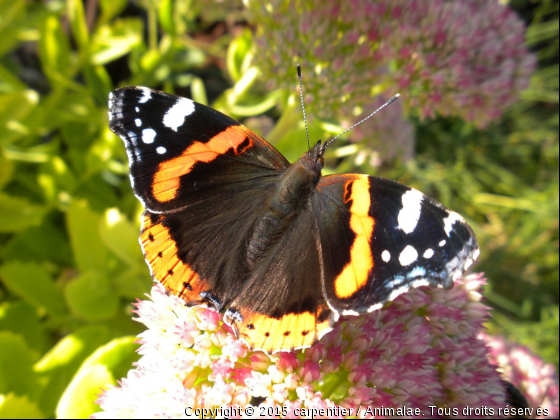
pixel 178 148
pixel 379 238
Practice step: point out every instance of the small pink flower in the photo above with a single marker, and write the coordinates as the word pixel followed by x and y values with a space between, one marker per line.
pixel 234 349
pixel 288 362
pixel 309 372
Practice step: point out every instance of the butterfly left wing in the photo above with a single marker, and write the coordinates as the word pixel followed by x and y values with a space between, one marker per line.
pixel 379 238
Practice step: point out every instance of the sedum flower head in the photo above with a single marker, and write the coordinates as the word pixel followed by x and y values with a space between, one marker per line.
pixel 459 57
pixel 422 349
pixel 537 380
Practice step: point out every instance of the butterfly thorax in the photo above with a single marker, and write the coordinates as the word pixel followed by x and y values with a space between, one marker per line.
pixel 287 200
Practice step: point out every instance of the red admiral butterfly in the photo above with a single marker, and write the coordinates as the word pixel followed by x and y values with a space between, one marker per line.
pixel 231 224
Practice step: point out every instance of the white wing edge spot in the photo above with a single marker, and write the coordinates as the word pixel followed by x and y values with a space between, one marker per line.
pixel 450 220
pixel 146 95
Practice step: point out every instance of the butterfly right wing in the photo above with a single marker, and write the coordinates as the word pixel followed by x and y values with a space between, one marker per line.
pixel 379 238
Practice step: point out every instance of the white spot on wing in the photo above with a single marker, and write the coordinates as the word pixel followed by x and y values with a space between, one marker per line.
pixel 395 293
pixel 420 283
pixel 386 256
pixel 161 150
pixel 175 116
pixel 137 109
pixel 442 243
pixel 476 254
pixel 138 122
pixel 350 312
pixel 410 213
pixel 429 253
pixel 450 220
pixel 148 135
pixel 146 95
pixel 408 256
pixel 374 307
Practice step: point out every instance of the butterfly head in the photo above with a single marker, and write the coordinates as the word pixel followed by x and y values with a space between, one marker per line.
pixel 317 153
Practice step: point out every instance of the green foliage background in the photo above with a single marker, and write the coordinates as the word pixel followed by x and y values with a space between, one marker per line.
pixel 70 264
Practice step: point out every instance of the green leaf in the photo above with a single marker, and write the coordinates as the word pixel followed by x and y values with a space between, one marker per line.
pixel 6 171
pixel 90 296
pixel 114 41
pixel 14 108
pixel 21 318
pixel 40 243
pixel 16 366
pixel 133 283
pixel 33 284
pixel 54 51
pixel 199 91
pixel 61 173
pixel 78 23
pixel 10 11
pixel 99 82
pixel 101 369
pixel 121 237
pixel 60 364
pixel 236 53
pixel 166 16
pixel 110 9
pixel 16 407
pixel 90 253
pixel 98 193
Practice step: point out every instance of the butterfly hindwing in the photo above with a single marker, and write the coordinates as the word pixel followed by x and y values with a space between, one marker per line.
pixel 178 148
pixel 282 306
pixel 379 238
pixel 203 244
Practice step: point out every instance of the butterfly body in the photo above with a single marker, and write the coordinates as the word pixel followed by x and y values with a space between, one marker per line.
pixel 280 249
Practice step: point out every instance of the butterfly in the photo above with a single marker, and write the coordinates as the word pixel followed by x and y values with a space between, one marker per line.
pixel 282 251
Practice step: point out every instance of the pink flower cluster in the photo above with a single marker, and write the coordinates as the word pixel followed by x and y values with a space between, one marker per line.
pixel 421 350
pixel 465 58
pixel 537 380
pixel 457 57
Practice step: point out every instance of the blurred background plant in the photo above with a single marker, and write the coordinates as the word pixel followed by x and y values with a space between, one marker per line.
pixel 477 129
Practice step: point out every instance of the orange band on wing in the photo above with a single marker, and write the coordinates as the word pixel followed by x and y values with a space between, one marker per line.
pixel 355 274
pixel 289 332
pixel 160 251
pixel 167 178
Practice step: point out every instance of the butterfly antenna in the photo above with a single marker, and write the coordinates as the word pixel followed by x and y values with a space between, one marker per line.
pixel 389 102
pixel 302 104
